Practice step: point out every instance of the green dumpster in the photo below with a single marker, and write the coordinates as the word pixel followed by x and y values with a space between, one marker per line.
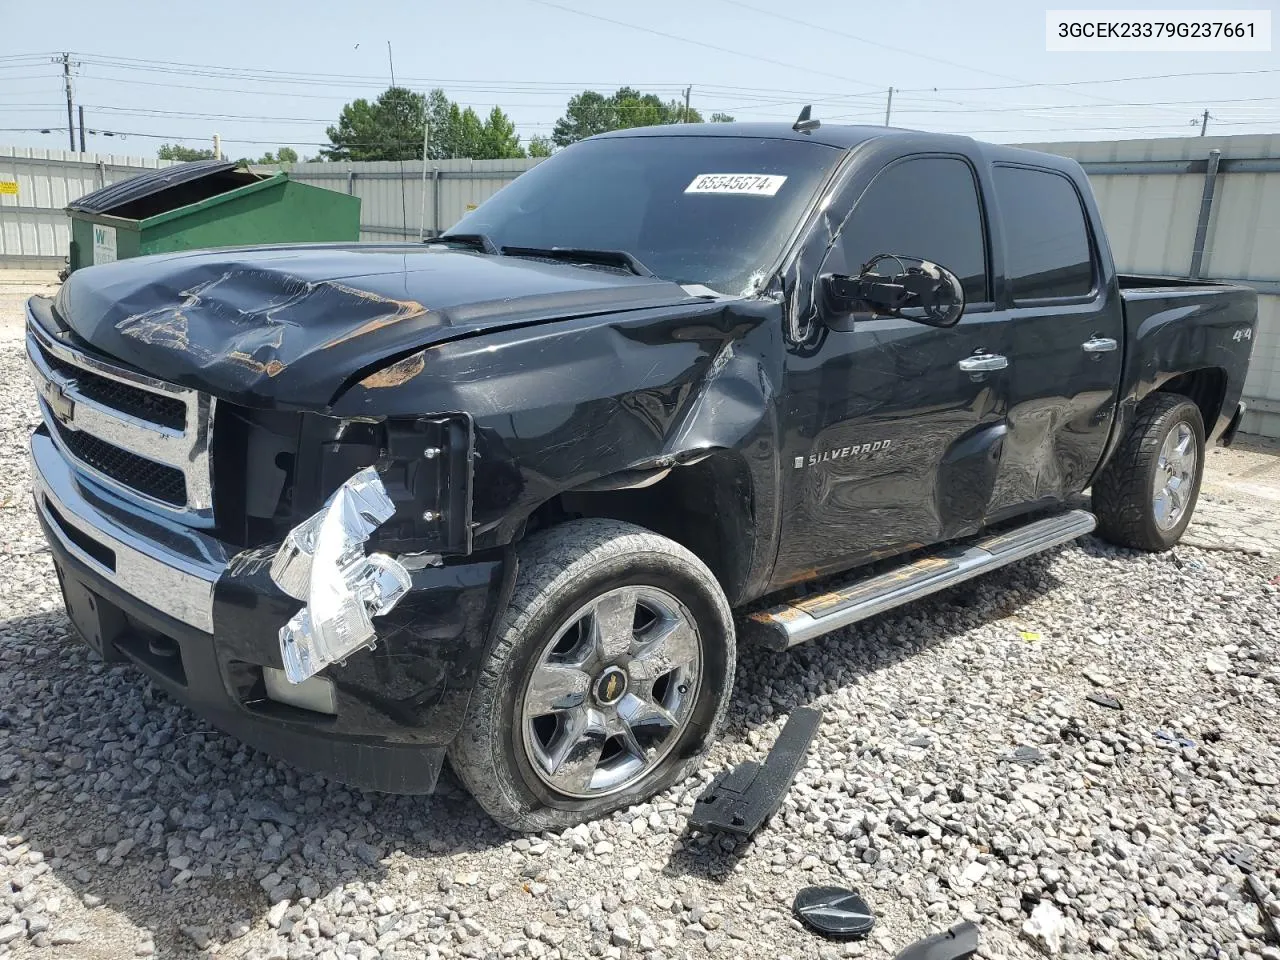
pixel 206 203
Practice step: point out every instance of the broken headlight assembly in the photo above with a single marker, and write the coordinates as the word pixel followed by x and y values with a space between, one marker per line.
pixel 417 499
pixel 322 563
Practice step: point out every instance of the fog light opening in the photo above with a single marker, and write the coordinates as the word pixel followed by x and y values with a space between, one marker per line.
pixel 316 694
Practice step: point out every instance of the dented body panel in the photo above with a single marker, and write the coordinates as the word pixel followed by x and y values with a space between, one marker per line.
pixel 494 395
pixel 290 326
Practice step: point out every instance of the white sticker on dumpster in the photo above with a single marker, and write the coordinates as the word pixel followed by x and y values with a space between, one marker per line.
pixel 104 244
pixel 747 184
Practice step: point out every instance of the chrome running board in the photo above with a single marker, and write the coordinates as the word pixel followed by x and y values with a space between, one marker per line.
pixel 792 623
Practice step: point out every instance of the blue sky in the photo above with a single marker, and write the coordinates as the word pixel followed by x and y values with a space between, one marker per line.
pixel 182 72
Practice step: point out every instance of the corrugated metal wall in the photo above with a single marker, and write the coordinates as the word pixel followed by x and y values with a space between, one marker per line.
pixel 395 203
pixel 34 230
pixel 1150 200
pixel 1151 220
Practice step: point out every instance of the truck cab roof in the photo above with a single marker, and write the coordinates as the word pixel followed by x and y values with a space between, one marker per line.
pixel 847 136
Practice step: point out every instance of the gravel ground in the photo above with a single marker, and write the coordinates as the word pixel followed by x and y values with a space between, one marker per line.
pixel 130 828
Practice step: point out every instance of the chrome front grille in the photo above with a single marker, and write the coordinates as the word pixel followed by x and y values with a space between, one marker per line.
pixel 143 439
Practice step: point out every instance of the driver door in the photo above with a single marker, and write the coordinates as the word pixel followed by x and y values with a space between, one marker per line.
pixel 893 429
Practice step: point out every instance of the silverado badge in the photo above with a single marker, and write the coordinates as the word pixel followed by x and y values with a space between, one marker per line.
pixel 860 451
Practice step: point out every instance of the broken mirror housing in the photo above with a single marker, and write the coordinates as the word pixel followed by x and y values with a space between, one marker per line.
pixel 323 564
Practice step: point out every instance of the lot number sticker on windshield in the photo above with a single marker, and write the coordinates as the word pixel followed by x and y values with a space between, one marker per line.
pixel 747 184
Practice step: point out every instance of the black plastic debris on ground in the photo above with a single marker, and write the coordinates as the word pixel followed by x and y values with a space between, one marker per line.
pixel 1242 857
pixel 958 943
pixel 1245 859
pixel 836 913
pixel 1028 756
pixel 741 800
pixel 1258 891
pixel 1102 700
pixel 1173 740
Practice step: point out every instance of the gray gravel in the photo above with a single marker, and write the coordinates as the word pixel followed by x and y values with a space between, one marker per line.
pixel 130 828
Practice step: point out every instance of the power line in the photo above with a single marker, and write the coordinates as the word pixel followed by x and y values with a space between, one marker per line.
pixel 519 87
pixel 326 79
pixel 1026 108
pixel 700 43
pixel 827 28
pixel 415 142
pixel 906 52
pixel 1081 83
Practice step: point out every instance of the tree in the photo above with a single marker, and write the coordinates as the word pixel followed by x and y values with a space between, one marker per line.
pixel 720 118
pixel 283 155
pixel 498 140
pixel 591 112
pixel 539 147
pixel 390 128
pixel 176 151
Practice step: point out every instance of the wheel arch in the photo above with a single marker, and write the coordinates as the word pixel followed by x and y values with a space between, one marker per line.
pixel 707 505
pixel 1206 388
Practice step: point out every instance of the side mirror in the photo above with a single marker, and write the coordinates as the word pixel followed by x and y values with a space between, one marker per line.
pixel 910 288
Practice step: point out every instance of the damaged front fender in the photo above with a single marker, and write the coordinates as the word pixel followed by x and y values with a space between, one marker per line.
pixel 322 563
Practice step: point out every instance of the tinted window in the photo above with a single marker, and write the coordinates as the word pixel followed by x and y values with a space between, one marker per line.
pixel 1046 240
pixel 650 197
pixel 925 208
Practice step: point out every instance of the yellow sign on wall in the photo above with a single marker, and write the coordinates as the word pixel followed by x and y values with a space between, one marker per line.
pixel 9 187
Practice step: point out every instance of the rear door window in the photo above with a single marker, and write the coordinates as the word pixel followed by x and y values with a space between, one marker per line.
pixel 1046 234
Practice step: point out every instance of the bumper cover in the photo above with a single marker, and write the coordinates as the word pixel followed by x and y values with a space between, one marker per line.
pixel 135 584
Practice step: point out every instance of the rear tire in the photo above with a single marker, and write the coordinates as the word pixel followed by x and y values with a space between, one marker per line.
pixel 1146 494
pixel 577 714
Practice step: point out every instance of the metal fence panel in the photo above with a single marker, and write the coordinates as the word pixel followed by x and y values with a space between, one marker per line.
pixel 34 230
pixel 1150 193
pixel 396 201
pixel 1151 210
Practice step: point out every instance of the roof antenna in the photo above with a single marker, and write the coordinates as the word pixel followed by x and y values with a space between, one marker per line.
pixel 803 124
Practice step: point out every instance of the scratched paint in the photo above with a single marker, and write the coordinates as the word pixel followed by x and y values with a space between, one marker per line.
pixel 397 374
pixel 292 327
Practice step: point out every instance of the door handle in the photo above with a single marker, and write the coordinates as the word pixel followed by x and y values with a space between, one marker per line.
pixel 1099 345
pixel 983 363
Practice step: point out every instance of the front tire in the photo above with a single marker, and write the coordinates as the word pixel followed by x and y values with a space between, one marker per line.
pixel 1146 494
pixel 610 675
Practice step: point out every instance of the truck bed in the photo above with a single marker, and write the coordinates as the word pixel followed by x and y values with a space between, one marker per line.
pixel 1177 328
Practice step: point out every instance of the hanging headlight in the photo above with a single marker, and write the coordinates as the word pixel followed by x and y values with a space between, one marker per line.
pixel 322 563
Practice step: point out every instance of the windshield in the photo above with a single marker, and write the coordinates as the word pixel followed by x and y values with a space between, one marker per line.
pixel 694 210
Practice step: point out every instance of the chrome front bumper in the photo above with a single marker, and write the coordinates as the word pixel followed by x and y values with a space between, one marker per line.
pixel 167 566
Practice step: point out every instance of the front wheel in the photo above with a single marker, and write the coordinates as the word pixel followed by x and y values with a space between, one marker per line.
pixel 1146 494
pixel 610 675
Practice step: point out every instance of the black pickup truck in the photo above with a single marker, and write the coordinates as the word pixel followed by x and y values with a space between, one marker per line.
pixel 498 497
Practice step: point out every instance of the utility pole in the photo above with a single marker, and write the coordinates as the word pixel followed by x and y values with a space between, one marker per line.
pixel 66 79
pixel 217 147
pixel 81 111
pixel 422 212
pixel 404 204
pixel 688 92
pixel 1204 123
pixel 888 107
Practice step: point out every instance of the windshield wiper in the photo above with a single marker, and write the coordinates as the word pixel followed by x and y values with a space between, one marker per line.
pixel 477 241
pixel 604 258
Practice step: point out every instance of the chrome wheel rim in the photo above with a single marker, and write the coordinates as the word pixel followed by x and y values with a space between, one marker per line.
pixel 1175 475
pixel 610 695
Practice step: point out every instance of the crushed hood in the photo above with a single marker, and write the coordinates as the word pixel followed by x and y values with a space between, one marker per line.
pixel 290 326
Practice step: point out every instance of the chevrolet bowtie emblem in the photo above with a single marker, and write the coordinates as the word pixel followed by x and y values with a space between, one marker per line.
pixel 62 406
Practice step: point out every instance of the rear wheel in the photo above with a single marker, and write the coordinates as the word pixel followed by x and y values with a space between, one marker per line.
pixel 610 675
pixel 1145 496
